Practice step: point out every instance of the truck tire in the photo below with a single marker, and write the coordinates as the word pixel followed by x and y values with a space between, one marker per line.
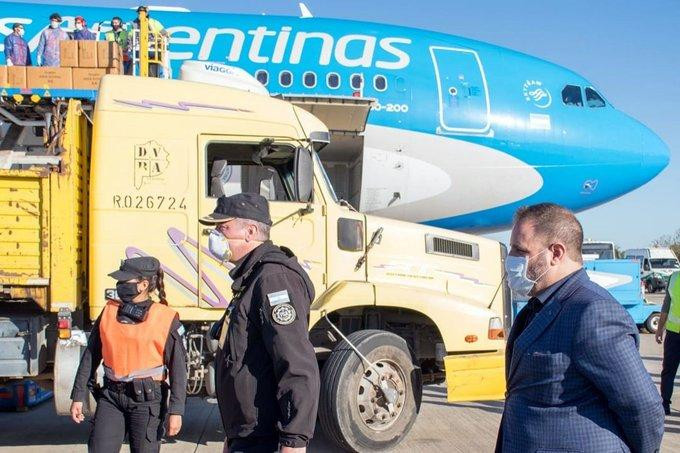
pixel 66 360
pixel 353 411
pixel 652 322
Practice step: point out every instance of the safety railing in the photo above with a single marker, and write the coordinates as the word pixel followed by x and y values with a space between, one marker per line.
pixel 149 54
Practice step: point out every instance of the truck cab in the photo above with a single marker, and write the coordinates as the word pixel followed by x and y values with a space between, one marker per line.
pixel 398 304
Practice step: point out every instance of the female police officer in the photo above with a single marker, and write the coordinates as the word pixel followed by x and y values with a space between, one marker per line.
pixel 140 343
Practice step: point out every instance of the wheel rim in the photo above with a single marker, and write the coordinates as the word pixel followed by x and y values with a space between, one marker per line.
pixel 655 322
pixel 372 404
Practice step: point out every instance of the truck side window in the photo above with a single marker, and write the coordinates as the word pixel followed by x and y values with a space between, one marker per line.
pixel 235 168
pixel 646 265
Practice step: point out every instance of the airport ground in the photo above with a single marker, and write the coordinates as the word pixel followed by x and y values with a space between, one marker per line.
pixel 441 426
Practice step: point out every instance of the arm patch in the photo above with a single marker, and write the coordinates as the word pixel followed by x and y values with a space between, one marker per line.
pixel 279 297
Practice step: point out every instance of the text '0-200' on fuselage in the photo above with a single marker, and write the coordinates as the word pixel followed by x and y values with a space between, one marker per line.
pixel 460 132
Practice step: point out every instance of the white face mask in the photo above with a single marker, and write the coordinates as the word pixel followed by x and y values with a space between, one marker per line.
pixel 54 24
pixel 516 268
pixel 79 26
pixel 219 246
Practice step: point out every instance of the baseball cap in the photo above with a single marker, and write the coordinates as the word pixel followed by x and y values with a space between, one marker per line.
pixel 242 206
pixel 138 267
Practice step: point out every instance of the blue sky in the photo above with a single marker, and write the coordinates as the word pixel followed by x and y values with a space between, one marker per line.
pixel 628 49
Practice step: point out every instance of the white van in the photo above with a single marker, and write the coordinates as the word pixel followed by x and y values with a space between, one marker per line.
pixel 657 264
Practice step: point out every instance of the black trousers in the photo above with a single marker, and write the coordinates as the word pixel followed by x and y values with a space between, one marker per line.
pixel 118 414
pixel 671 360
pixel 254 444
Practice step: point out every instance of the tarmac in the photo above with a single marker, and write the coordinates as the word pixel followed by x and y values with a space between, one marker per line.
pixel 441 426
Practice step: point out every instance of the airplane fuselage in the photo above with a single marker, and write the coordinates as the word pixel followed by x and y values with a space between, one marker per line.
pixel 462 132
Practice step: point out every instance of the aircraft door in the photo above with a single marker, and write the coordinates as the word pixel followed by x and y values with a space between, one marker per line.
pixel 462 90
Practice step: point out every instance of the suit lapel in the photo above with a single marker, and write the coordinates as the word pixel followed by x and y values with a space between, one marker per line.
pixel 542 320
pixel 535 328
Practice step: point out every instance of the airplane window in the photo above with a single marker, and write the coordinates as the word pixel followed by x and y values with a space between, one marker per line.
pixel 380 83
pixel 357 81
pixel 593 99
pixel 333 80
pixel 309 79
pixel 262 76
pixel 571 95
pixel 285 78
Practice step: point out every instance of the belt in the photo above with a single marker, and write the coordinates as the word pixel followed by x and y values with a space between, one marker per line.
pixel 117 386
pixel 121 387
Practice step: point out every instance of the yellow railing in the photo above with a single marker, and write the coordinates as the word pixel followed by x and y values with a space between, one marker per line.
pixel 149 48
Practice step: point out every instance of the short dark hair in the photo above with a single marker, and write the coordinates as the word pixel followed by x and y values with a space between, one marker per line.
pixel 555 223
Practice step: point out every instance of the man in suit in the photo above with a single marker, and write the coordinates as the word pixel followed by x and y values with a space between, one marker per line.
pixel 575 379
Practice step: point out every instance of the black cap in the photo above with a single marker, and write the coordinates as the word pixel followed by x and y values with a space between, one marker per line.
pixel 143 8
pixel 139 267
pixel 240 206
pixel 55 16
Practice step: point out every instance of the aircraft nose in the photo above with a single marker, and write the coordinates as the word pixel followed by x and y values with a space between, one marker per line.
pixel 656 154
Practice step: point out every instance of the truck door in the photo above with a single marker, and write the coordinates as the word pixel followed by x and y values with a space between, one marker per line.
pixel 462 90
pixel 227 167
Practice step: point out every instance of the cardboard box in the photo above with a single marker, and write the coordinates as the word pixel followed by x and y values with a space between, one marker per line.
pixel 109 55
pixel 3 76
pixel 87 78
pixel 16 76
pixel 68 54
pixel 116 71
pixel 48 77
pixel 87 54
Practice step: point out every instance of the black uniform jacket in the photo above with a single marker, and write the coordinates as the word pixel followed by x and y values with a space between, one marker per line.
pixel 267 375
pixel 174 359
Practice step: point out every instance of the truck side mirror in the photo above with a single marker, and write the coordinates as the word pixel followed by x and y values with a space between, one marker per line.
pixel 304 175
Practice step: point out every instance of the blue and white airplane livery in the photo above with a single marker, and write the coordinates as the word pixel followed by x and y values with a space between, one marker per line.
pixel 461 132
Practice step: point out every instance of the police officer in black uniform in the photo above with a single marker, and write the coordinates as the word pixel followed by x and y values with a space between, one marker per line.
pixel 267 377
pixel 143 339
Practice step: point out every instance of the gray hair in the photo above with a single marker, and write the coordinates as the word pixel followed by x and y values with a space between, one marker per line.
pixel 262 228
pixel 555 223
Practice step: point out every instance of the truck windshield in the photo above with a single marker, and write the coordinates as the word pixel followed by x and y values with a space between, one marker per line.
pixel 325 177
pixel 664 263
pixel 603 250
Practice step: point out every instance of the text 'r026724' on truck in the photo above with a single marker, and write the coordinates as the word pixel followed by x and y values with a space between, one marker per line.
pixel 84 184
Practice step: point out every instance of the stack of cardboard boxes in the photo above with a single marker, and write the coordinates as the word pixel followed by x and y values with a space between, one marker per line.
pixel 83 63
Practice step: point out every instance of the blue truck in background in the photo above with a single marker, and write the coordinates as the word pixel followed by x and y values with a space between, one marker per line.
pixel 621 277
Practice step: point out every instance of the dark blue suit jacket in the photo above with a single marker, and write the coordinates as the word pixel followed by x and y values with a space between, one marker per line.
pixel 575 379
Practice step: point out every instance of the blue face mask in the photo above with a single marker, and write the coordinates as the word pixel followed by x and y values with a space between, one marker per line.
pixel 516 268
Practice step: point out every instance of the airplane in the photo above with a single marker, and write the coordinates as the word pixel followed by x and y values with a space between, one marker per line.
pixel 460 132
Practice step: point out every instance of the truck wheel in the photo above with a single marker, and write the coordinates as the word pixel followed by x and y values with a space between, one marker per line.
pixel 353 410
pixel 652 323
pixel 66 360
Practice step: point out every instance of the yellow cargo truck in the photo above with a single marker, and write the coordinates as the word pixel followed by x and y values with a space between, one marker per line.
pixel 398 305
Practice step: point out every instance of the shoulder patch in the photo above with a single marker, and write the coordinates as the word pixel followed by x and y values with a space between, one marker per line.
pixel 180 330
pixel 279 297
pixel 284 314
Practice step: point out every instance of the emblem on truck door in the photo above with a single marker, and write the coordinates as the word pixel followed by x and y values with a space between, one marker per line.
pixel 151 160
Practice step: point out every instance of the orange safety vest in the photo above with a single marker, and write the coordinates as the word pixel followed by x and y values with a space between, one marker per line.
pixel 131 350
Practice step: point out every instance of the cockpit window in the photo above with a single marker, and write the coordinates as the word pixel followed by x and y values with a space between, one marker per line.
pixel 593 99
pixel 571 95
